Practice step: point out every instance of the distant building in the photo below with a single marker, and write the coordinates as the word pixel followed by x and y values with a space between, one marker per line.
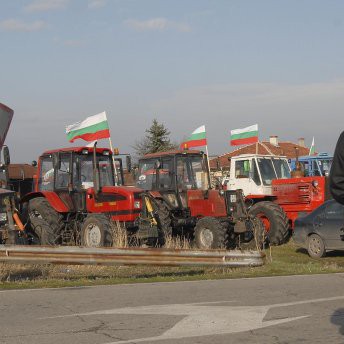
pixel 271 147
pixel 21 177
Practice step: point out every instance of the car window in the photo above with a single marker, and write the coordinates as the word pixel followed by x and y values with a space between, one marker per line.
pixel 334 210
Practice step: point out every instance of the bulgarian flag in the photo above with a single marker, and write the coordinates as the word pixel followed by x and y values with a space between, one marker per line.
pixel 92 128
pixel 196 139
pixel 244 136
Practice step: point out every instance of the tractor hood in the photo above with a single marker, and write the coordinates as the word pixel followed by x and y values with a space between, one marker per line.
pixel 6 115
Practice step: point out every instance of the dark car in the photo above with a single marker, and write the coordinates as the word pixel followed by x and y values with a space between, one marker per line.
pixel 322 230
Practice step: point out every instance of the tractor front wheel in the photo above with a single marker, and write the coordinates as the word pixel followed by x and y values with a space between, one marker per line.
pixel 96 231
pixel 210 233
pixel 274 219
pixel 40 207
pixel 254 237
pixel 42 233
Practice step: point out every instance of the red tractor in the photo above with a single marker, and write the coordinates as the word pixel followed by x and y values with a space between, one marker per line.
pixel 178 185
pixel 77 193
pixel 274 193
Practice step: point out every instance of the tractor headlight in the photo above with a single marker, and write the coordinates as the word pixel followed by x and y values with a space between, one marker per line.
pixel 137 204
pixel 3 217
pixel 315 183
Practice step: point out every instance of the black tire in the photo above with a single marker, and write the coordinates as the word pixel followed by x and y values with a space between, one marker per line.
pixel 42 232
pixel 254 238
pixel 15 238
pixel 274 215
pixel 211 233
pixel 96 231
pixel 316 246
pixel 163 219
pixel 41 208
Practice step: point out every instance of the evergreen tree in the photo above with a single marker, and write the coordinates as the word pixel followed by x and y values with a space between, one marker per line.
pixel 156 140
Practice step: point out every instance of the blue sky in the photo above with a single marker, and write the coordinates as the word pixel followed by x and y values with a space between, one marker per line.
pixel 225 64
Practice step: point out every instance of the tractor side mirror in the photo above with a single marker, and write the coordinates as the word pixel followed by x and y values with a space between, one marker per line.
pixel 34 163
pixel 128 161
pixel 6 154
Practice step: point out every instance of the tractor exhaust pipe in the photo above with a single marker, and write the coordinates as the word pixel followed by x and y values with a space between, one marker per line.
pixel 96 178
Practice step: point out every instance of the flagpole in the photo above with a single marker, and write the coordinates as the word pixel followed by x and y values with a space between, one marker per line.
pixel 113 160
pixel 112 154
pixel 206 151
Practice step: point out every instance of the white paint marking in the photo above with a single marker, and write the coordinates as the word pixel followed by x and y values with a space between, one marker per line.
pixel 207 319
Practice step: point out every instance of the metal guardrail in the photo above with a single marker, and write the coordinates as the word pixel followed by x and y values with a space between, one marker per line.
pixel 128 256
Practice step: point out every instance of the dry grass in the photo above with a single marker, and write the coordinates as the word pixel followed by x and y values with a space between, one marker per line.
pixel 119 235
pixel 177 242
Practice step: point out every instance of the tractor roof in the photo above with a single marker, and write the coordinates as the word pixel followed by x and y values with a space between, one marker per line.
pixel 257 156
pixel 77 150
pixel 173 152
pixel 320 156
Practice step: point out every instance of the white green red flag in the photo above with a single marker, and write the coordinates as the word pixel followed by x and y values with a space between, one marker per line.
pixel 196 139
pixel 312 149
pixel 92 128
pixel 244 136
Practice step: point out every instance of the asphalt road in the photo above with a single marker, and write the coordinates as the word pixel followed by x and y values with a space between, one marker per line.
pixel 295 309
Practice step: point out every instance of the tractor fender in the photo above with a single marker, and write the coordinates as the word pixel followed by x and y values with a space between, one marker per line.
pixel 54 200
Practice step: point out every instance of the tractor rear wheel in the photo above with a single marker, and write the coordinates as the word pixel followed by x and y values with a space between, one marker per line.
pixel 43 232
pixel 40 207
pixel 211 233
pixel 274 219
pixel 96 231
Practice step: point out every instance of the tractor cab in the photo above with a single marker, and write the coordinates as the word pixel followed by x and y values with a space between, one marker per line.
pixel 314 165
pixel 73 169
pixel 173 174
pixel 254 173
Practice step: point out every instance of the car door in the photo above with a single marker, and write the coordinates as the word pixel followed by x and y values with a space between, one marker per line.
pixel 330 225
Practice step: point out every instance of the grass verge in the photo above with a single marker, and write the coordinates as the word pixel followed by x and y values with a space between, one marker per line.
pixel 282 260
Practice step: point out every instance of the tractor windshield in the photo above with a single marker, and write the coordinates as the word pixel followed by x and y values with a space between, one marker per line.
pixel 322 167
pixel 147 174
pixel 86 171
pixel 192 173
pixel 282 168
pixel 267 170
pixel 3 178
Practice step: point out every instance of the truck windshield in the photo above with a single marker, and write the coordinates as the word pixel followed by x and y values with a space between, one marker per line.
pixel 282 168
pixel 266 170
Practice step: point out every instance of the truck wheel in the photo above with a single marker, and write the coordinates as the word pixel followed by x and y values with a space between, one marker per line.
pixel 316 246
pixel 274 219
pixel 43 232
pixel 96 231
pixel 254 238
pixel 41 208
pixel 210 233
